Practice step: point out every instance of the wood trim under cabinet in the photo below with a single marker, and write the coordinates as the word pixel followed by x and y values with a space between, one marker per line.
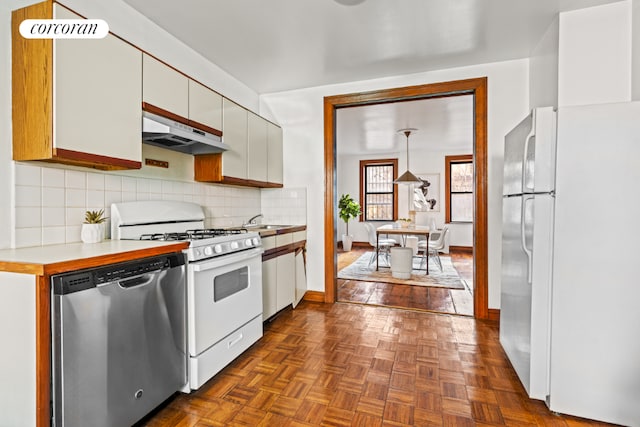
pixel 249 182
pixel 96 161
pixel 208 168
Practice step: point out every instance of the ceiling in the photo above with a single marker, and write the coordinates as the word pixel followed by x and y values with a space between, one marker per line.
pixel 279 45
pixel 440 123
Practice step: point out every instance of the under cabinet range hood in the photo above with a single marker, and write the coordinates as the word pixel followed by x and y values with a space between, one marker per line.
pixel 173 135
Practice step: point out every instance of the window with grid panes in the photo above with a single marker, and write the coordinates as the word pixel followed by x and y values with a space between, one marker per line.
pixel 378 194
pixel 459 188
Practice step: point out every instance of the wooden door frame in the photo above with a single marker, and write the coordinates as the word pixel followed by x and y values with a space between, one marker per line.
pixel 476 87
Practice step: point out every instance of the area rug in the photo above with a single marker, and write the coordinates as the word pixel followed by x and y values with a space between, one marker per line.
pixel 447 278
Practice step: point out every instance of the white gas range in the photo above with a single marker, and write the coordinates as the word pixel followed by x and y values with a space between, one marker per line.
pixel 224 279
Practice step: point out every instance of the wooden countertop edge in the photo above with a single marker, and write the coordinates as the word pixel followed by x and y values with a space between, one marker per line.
pixel 79 264
pixel 283 230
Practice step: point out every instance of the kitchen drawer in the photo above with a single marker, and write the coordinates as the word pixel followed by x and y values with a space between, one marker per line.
pixel 223 352
pixel 284 239
pixel 300 236
pixel 268 242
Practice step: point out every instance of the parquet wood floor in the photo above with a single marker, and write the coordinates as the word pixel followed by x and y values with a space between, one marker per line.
pixel 359 365
pixel 455 301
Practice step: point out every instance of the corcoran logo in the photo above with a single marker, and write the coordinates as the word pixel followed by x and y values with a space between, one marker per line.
pixel 64 28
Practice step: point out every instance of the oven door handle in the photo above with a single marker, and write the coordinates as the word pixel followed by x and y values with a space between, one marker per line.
pixel 225 260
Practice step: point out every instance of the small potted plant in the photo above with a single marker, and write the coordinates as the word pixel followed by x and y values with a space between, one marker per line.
pixel 348 209
pixel 93 226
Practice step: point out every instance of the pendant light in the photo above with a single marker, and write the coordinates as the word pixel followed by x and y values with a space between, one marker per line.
pixel 407 177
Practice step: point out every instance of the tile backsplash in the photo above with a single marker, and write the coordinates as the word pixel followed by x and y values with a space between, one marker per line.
pixel 284 206
pixel 50 202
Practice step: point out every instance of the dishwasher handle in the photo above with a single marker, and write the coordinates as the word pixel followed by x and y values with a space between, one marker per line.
pixel 138 281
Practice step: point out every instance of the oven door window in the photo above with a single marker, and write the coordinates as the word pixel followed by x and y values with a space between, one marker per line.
pixel 232 282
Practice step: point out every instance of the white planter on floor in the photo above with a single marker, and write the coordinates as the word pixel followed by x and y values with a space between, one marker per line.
pixel 347 241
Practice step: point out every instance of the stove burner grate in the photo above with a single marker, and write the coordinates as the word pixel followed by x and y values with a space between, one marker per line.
pixel 198 234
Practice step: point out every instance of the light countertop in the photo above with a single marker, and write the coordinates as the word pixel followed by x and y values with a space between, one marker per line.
pixel 273 230
pixel 42 260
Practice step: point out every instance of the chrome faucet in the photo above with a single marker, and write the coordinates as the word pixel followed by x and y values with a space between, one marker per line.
pixel 252 220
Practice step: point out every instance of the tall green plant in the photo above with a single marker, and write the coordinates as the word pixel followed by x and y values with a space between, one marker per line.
pixel 348 209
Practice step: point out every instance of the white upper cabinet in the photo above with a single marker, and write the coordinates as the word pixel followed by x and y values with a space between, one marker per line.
pixel 75 102
pixel 164 87
pixel 274 154
pixel 234 130
pixel 205 105
pixel 257 148
pixel 97 95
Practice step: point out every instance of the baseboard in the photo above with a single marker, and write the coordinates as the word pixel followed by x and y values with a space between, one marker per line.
pixel 494 314
pixel 466 249
pixel 356 245
pixel 313 296
pixel 361 244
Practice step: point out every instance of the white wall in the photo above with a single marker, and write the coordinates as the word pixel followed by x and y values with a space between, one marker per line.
pixel 595 55
pixel 635 66
pixel 301 115
pixel 543 69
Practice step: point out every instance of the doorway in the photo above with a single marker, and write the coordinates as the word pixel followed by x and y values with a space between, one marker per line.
pixel 476 87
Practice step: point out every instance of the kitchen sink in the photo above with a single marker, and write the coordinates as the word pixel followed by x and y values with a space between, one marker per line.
pixel 265 226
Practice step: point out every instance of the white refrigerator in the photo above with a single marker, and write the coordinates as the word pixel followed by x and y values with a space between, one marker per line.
pixel 570 295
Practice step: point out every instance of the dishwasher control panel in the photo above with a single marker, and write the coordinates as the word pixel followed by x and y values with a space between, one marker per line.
pixel 80 280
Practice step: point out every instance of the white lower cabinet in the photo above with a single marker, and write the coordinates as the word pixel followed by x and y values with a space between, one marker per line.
pixel 301 278
pixel 278 284
pixel 286 284
pixel 283 276
pixel 18 400
pixel 269 288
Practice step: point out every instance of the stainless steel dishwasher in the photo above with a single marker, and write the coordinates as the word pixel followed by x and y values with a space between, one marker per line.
pixel 118 341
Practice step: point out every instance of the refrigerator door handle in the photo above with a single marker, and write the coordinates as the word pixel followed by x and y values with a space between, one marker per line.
pixel 525 168
pixel 523 236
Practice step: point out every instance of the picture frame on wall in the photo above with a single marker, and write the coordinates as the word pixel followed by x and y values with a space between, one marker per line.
pixel 426 196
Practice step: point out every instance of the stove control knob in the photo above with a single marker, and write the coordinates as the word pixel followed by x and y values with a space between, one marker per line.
pixel 234 245
pixel 256 241
pixel 217 249
pixel 208 251
pixel 248 242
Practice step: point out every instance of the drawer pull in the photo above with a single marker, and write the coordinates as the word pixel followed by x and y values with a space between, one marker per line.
pixel 235 340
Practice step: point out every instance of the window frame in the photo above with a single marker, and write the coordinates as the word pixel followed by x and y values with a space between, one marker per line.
pixel 448 161
pixel 378 162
